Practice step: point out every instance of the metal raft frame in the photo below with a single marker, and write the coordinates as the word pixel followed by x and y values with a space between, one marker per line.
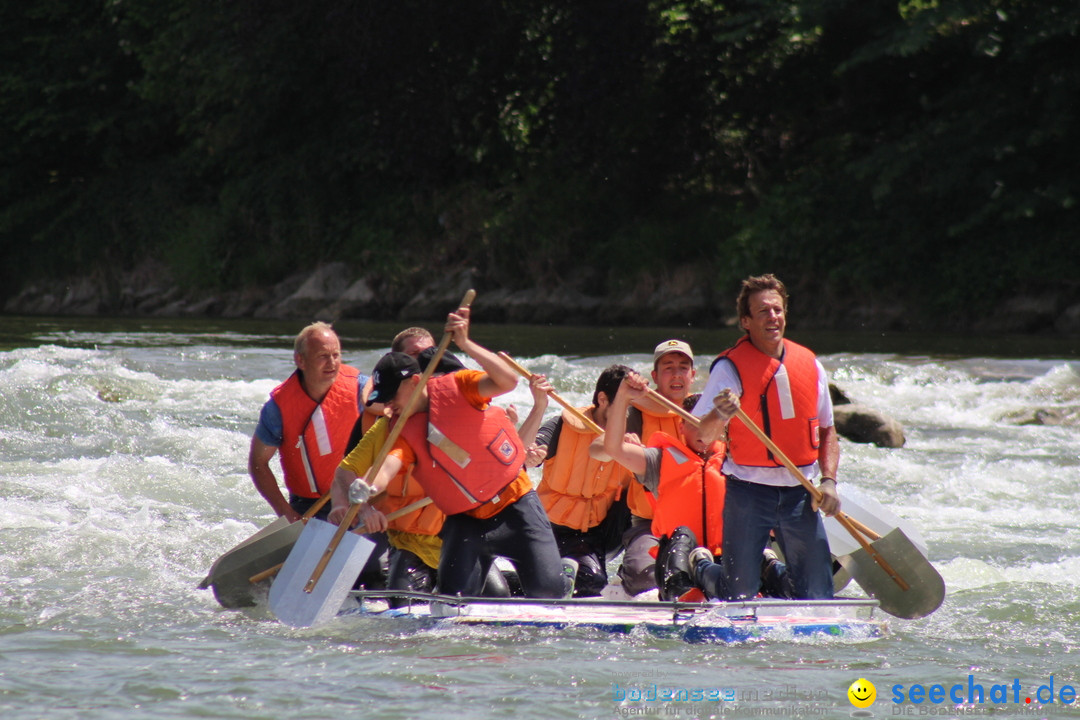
pixel 732 621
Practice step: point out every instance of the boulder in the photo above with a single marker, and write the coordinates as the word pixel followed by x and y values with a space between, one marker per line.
pixel 358 300
pixel 1060 417
pixel 863 424
pixel 839 397
pixel 439 297
pixel 321 288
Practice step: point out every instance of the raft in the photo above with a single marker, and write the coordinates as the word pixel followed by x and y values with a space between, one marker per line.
pixel 851 620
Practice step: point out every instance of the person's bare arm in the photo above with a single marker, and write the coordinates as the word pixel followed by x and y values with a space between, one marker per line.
pixel 259 457
pixel 499 378
pixel 339 494
pixel 539 387
pixel 629 455
pixel 828 462
pixel 714 424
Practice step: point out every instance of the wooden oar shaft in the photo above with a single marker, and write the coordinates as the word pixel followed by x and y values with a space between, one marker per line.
pixel 863 529
pixel 266 574
pixel 271 572
pixel 844 520
pixel 555 396
pixel 674 407
pixel 841 517
pixel 384 451
pixel 316 507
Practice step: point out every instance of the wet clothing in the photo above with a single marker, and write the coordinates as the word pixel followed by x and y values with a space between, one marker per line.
pixel 521 533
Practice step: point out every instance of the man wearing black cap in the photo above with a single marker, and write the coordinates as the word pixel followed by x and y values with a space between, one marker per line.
pixel 415 546
pixel 468 457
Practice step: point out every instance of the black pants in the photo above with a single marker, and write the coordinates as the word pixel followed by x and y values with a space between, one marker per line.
pixel 521 533
pixel 592 549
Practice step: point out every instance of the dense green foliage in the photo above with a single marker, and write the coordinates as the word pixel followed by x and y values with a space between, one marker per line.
pixel 916 150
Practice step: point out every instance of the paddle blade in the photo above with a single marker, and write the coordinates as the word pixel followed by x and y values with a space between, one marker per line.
pixel 230 576
pixel 288 600
pixel 860 506
pixel 927 588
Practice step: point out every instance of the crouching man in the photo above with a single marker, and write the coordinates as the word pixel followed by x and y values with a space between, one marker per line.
pixel 468 458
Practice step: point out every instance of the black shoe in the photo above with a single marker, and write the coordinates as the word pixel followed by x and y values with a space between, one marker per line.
pixel 772 570
pixel 673 564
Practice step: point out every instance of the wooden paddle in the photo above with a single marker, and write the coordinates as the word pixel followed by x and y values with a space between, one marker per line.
pixel 896 545
pixel 585 420
pixel 228 576
pixel 400 512
pixel 847 522
pixel 302 607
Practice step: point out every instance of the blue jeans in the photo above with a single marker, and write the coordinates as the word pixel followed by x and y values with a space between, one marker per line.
pixel 750 512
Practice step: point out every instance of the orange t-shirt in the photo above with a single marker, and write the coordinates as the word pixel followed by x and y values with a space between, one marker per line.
pixel 468 382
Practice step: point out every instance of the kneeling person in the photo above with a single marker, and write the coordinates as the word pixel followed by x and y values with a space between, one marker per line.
pixel 581 494
pixel 469 460
pixel 686 487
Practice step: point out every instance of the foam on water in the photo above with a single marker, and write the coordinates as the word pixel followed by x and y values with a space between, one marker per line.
pixel 123 473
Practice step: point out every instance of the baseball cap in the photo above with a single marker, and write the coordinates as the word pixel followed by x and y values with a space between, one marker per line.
pixel 670 346
pixel 447 364
pixel 391 369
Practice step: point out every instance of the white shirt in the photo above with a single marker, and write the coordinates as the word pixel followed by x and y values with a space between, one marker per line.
pixel 724 376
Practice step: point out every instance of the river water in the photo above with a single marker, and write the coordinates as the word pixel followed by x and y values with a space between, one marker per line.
pixel 123 476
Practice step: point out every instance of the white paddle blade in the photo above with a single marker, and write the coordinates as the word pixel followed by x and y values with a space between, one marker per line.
pixel 288 600
pixel 860 506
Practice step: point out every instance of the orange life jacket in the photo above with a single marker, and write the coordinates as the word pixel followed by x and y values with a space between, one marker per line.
pixel 577 491
pixel 691 492
pixel 640 500
pixel 464 455
pixel 781 396
pixel 402 491
pixel 315 435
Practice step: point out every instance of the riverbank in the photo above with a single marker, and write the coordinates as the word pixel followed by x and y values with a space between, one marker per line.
pixel 332 292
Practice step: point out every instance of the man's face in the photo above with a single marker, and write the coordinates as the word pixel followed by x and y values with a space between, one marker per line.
pixel 404 392
pixel 673 376
pixel 692 436
pixel 767 319
pixel 415 345
pixel 321 359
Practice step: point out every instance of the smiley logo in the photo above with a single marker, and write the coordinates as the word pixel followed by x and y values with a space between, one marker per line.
pixel 862 693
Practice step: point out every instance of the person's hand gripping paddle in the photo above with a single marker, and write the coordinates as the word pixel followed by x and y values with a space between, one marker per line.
pixel 325 562
pixel 890 569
